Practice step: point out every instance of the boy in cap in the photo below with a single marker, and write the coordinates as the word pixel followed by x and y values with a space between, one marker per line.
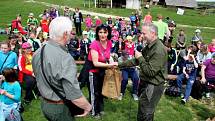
pixel 197 37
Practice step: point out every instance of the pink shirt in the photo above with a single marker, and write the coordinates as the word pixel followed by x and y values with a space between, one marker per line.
pixel 211 48
pixel 96 45
pixel 98 22
pixel 88 22
pixel 147 19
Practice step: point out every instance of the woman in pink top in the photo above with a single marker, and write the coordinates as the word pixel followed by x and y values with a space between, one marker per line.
pixel 147 18
pixel 99 55
pixel 88 21
pixel 211 47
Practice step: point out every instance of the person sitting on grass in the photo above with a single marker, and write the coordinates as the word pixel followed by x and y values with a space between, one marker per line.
pixel 35 43
pixel 10 93
pixel 208 75
pixel 189 72
pixel 8 58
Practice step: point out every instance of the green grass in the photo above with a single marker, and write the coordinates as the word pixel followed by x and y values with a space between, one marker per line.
pixel 191 17
pixel 169 109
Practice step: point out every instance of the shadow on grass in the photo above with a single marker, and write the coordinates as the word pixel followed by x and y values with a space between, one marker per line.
pixel 170 108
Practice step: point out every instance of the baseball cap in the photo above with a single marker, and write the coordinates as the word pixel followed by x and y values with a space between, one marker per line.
pixel 31 15
pixel 197 30
pixel 26 45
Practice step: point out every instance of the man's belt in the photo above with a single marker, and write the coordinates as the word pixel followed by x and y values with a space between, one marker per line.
pixel 53 102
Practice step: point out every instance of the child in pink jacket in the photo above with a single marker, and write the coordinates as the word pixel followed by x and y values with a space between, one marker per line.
pixel 88 21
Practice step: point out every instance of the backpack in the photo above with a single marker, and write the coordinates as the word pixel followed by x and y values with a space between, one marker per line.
pixel 35 45
pixel 172 89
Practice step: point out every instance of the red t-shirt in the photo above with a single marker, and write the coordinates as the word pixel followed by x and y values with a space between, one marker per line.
pixel 44 25
pixel 102 52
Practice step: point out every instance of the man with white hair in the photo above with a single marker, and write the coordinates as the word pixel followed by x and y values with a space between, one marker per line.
pixel 58 74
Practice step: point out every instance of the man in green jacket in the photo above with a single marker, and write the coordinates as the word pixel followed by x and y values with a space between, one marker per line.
pixel 153 71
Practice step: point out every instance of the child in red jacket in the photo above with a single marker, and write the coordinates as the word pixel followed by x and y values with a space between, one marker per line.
pixel 25 70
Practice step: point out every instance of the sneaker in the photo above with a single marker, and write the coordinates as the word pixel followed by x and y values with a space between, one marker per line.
pixel 207 95
pixel 120 97
pixel 135 97
pixel 183 101
pixel 97 117
pixel 102 113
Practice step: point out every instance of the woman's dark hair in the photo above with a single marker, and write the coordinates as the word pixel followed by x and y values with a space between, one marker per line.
pixel 104 27
pixel 9 74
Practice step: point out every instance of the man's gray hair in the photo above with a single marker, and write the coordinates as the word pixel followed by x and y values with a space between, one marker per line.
pixel 58 26
pixel 152 27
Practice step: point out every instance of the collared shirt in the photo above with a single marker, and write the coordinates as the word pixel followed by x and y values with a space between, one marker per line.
pixel 60 70
pixel 153 63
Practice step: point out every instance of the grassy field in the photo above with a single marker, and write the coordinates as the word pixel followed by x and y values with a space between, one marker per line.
pixel 169 108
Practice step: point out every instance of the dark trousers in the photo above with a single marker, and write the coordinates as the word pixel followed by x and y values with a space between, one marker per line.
pixel 56 112
pixel 149 97
pixel 96 97
pixel 208 84
pixel 30 83
pixel 78 29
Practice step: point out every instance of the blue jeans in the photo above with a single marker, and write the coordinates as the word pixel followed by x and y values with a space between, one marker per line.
pixel 129 72
pixel 190 82
pixel 9 112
